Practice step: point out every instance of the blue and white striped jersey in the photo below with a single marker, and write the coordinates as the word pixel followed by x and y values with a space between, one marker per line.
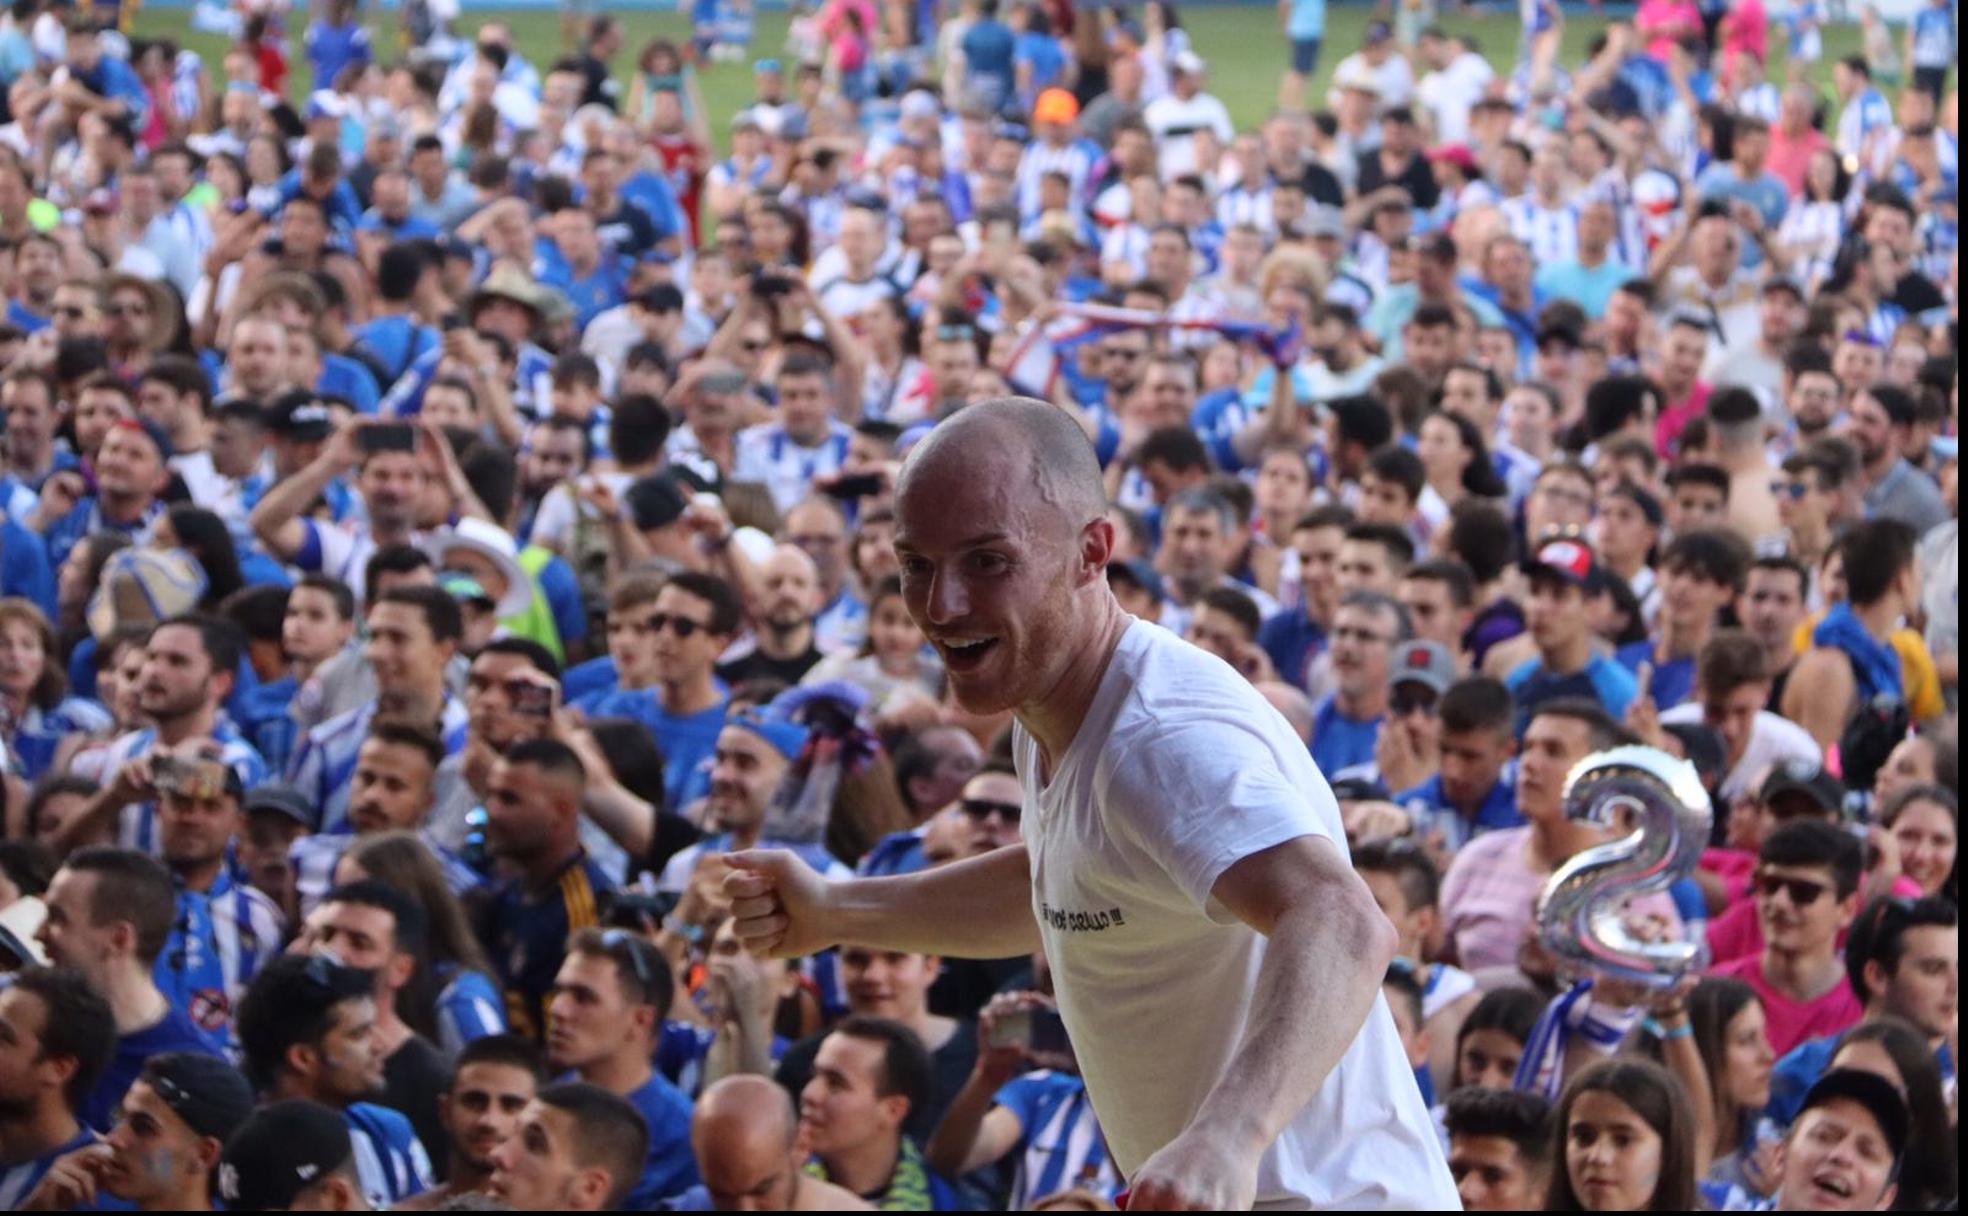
pixel 138 829
pixel 324 767
pixel 217 945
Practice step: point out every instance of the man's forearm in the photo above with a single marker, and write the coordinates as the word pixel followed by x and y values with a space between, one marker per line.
pixel 1323 967
pixel 980 908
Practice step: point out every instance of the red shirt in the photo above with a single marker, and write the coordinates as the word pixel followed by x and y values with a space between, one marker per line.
pixel 1675 419
pixel 1792 1022
pixel 683 168
pixel 273 68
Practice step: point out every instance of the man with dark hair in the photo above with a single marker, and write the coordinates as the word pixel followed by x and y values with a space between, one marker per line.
pixel 1499 1148
pixel 1169 460
pixel 110 913
pixel 1407 885
pixel 163 1153
pixel 1697 497
pixel 1730 696
pixel 694 619
pixel 1225 623
pixel 57 1035
pixel 1904 962
pixel 1355 427
pixel 1878 421
pixel 1440 597
pixel 375 928
pixel 805 442
pixel 189 669
pixel 307 1030
pixel 491 1082
pixel 1491 887
pixel 869 1075
pixel 1391 489
pixel 1294 639
pixel 1806 890
pixel 132 471
pixel 1475 788
pixel 1808 494
pixel 413 632
pixel 610 999
pixel 532 827
pixel 1775 598
pixel 1852 662
pixel 1200 529
pixel 292 1156
pixel 578 1148
pixel 1701 573
pixel 1345 725
pixel 1563 576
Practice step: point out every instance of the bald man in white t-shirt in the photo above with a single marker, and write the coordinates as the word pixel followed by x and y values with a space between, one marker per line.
pixel 1217 961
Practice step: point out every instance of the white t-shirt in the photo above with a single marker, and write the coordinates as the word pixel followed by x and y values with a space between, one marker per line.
pixel 1179 770
pixel 1452 92
pixel 1772 740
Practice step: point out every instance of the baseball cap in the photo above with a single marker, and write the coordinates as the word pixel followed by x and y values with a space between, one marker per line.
pixel 495 545
pixel 1458 155
pixel 783 736
pixel 1141 572
pixel 1189 63
pixel 300 416
pixel 280 1151
pixel 1870 1090
pixel 1055 106
pixel 152 431
pixel 1567 557
pixel 1426 663
pixel 464 588
pixel 206 1092
pixel 1378 31
pixel 745 118
pixel 1806 777
pixel 655 502
pixel 281 799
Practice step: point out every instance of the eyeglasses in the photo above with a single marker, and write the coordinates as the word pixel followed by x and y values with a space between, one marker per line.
pixel 69 312
pixel 1346 633
pixel 981 809
pixel 620 943
pixel 682 626
pixel 1803 891
pixel 1408 699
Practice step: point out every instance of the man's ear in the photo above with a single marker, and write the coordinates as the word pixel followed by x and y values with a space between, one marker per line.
pixel 895 1107
pixel 589 1190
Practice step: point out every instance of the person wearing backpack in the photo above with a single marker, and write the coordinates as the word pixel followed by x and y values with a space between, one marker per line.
pixel 1851 689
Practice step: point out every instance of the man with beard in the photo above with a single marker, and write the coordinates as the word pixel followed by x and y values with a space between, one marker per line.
pixel 746 1137
pixel 377 929
pixel 1234 1001
pixel 392 484
pixel 397 776
pixel 1775 599
pixel 225 928
pixel 753 752
pixel 491 1082
pixel 610 998
pixel 1812 481
pixel 1199 531
pixel 110 912
pixel 56 1037
pixel 307 1030
pixel 132 470
pixel 188 670
pixel 412 634
pixel 1878 422
pixel 1812 395
pixel 164 1151
pixel 782 621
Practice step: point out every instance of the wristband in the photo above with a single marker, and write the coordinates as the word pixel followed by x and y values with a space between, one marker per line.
pixel 1667 1034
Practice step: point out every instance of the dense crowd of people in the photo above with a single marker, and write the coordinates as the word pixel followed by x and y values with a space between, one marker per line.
pixel 446 513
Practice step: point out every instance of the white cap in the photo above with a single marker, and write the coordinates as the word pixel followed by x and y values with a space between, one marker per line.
pixel 490 541
pixel 1187 62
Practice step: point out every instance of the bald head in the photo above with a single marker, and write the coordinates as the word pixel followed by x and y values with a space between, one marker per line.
pixel 745 1107
pixel 743 1135
pixel 1036 439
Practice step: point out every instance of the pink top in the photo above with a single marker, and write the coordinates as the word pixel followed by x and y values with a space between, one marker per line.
pixel 1790 156
pixel 1664 23
pixel 1488 896
pixel 1746 30
pixel 1738 934
pixel 1793 1022
pixel 1676 417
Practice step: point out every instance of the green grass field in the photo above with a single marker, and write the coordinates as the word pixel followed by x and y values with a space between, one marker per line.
pixel 1244 47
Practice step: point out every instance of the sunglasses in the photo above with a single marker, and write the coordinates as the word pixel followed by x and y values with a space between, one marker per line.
pixel 127 310
pixel 682 626
pixel 624 946
pixel 1406 700
pixel 1803 891
pixel 981 809
pixel 69 312
pixel 1793 490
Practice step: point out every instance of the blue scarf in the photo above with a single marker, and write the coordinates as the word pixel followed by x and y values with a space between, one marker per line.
pixel 1875 663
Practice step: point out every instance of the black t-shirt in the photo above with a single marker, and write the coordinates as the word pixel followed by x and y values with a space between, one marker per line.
pixel 949 1068
pixel 413 1077
pixel 1415 177
pixel 1321 185
pixel 629 230
pixel 759 665
pixel 599 88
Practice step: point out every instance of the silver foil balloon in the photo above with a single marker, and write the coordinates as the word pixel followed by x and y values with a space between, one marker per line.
pixel 1660 805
